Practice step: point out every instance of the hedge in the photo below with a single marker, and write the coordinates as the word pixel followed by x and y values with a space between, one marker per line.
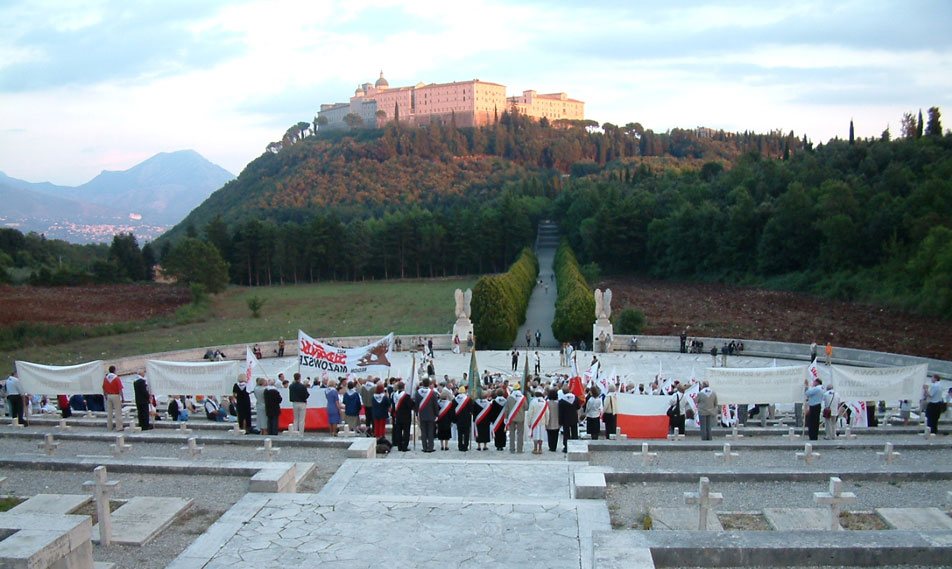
pixel 575 303
pixel 500 302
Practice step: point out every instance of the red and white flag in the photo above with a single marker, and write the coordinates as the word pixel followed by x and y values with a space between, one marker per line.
pixel 643 416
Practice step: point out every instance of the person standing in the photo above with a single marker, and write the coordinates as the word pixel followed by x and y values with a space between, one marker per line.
pixel 516 419
pixel 469 342
pixel 552 419
pixel 272 408
pixel 593 412
pixel 831 412
pixel 536 416
pixel 333 406
pixel 707 408
pixel 402 417
pixel 829 353
pixel 379 410
pixel 143 398
pixel 112 391
pixel 427 410
pixel 15 398
pixel 528 339
pixel 714 356
pixel 482 408
pixel 515 360
pixel 934 406
pixel 676 409
pixel 538 363
pixel 538 337
pixel 813 351
pixel 352 404
pixel 261 384
pixel 610 412
pixel 814 397
pixel 562 360
pixel 243 405
pixel 497 417
pixel 298 394
pixel 445 419
pixel 367 389
pixel 724 351
pixel 281 347
pixel 684 341
pixel 568 417
pixel 463 414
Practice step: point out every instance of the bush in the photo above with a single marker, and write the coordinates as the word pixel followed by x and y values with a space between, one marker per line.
pixel 575 303
pixel 255 304
pixel 199 293
pixel 630 321
pixel 591 272
pixel 500 302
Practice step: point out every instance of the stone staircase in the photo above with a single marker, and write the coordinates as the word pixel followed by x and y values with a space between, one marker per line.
pixel 547 236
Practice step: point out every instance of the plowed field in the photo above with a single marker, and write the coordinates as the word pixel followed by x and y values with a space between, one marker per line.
pixel 88 305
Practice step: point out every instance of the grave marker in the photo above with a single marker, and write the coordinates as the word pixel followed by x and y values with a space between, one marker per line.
pixel 676 437
pixel 727 455
pixel 236 430
pixel 808 456
pixel 704 499
pixel 734 434
pixel 792 434
pixel 120 445
pixel 888 453
pixel 15 423
pixel 192 447
pixel 646 457
pixel 48 445
pixel 926 433
pixel 102 488
pixel 269 450
pixel 183 428
pixel 835 498
pixel 62 425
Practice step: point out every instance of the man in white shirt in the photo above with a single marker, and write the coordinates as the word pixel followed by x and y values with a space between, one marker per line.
pixel 15 398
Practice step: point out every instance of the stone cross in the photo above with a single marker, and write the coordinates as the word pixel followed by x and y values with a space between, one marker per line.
pixel 675 436
pixel 834 499
pixel 90 414
pixel 646 457
pixel 101 490
pixel 888 453
pixel 120 445
pixel 727 455
pixel 48 445
pixel 704 499
pixel 133 428
pixel 192 447
pixel 183 427
pixel 62 425
pixel 792 434
pixel 734 434
pixel 849 432
pixel 927 433
pixel 808 456
pixel 236 430
pixel 268 450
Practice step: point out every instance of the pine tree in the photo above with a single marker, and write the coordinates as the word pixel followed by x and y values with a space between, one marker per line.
pixel 934 127
pixel 919 125
pixel 852 138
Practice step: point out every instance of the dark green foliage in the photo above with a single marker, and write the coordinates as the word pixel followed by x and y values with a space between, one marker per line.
pixel 630 321
pixel 255 304
pixel 575 303
pixel 125 254
pixel 500 302
pixel 195 261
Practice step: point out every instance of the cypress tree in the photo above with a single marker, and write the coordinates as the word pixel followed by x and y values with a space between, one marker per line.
pixel 919 125
pixel 851 132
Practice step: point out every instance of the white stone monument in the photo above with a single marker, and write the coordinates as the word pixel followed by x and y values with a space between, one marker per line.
pixel 102 488
pixel 727 455
pixel 269 450
pixel 463 328
pixel 808 456
pixel 888 453
pixel 704 499
pixel 835 498
pixel 602 330
pixel 192 447
pixel 646 457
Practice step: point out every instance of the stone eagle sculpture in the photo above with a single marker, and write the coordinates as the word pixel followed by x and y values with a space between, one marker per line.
pixel 603 304
pixel 463 300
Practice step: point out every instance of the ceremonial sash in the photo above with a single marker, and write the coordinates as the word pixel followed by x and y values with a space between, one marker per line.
pixel 481 417
pixel 497 424
pixel 462 405
pixel 400 400
pixel 443 411
pixel 515 409
pixel 426 399
pixel 538 419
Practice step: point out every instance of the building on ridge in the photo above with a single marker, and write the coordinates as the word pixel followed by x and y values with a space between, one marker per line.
pixel 463 103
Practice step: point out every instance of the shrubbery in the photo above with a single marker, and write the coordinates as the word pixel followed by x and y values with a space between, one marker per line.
pixel 575 304
pixel 630 322
pixel 500 302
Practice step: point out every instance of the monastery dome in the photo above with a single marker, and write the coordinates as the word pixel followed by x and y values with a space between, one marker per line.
pixel 381 83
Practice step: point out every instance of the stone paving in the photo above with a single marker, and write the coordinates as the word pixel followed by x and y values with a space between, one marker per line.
pixel 385 514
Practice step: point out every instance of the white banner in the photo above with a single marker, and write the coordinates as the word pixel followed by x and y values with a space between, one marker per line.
pixel 38 379
pixel 316 358
pixel 192 378
pixel 758 385
pixel 879 383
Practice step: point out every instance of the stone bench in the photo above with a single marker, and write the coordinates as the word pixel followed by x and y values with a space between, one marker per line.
pixel 280 478
pixel 362 448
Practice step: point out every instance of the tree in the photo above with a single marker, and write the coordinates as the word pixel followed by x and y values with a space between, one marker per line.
pixel 303 126
pixel 852 138
pixel 126 255
pixel 934 128
pixel 148 261
pixel 274 147
pixel 321 120
pixel 919 125
pixel 353 121
pixel 630 321
pixel 195 261
pixel 907 128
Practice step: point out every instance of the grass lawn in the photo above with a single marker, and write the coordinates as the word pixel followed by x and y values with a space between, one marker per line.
pixel 328 309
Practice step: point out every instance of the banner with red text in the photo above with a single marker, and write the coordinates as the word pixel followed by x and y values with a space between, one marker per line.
pixel 316 358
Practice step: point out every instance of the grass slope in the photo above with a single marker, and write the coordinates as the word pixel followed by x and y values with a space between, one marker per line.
pixel 322 310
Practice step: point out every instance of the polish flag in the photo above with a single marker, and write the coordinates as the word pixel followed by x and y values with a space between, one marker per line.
pixel 643 416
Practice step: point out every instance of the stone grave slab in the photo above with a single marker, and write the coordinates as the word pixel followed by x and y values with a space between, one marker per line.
pixel 140 519
pixel 798 519
pixel 590 486
pixel 682 519
pixel 917 519
pixel 61 504
pixel 45 540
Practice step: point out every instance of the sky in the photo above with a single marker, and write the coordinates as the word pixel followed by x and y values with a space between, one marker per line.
pixel 92 85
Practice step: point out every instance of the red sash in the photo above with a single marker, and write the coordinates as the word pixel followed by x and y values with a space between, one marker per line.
pixel 400 401
pixel 497 424
pixel 443 411
pixel 537 420
pixel 481 417
pixel 426 399
pixel 522 401
pixel 461 407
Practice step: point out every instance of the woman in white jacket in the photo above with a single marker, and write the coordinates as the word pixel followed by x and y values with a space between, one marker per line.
pixel 593 412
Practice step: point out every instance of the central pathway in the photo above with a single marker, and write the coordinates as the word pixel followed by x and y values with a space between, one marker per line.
pixel 541 311
pixel 413 513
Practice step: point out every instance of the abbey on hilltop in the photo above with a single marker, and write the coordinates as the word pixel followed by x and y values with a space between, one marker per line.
pixel 467 103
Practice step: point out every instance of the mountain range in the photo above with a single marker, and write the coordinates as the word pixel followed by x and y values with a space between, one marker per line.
pixel 145 199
